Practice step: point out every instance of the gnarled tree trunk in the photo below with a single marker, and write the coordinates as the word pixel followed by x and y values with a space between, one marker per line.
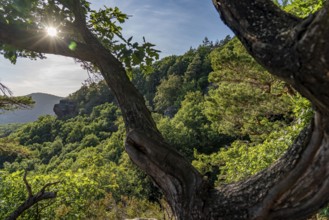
pixel 295 50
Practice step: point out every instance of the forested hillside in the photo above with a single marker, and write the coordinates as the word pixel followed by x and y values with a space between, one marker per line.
pixel 215 104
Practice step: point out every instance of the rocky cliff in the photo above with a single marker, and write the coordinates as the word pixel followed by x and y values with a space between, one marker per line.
pixel 65 108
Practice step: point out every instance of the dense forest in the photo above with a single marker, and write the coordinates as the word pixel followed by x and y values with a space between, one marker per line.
pixel 215 104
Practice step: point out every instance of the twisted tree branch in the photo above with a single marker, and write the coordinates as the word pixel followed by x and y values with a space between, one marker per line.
pixel 32 199
pixel 291 48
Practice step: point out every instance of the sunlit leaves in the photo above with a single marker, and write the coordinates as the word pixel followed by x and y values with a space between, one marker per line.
pixel 135 54
pixel 300 8
pixel 243 158
pixel 105 22
pixel 303 8
pixel 246 100
pixel 106 25
pixel 88 171
pixel 168 93
pixel 10 150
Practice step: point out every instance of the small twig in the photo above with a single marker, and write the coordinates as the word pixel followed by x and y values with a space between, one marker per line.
pixel 27 185
pixel 5 90
pixel 48 185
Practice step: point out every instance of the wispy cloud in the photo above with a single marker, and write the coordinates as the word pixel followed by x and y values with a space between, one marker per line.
pixel 56 75
pixel 173 25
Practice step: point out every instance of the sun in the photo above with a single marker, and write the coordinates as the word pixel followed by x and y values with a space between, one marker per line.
pixel 52 32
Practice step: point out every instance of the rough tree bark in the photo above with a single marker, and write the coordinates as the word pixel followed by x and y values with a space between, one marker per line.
pixel 291 48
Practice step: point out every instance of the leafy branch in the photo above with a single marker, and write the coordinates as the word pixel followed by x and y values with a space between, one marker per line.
pixel 32 199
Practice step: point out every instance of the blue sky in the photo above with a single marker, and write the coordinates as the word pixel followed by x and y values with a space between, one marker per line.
pixel 173 25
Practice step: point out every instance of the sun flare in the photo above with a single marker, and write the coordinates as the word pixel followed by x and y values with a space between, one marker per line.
pixel 51 31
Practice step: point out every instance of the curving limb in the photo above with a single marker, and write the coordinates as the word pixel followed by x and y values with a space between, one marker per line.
pixel 291 48
pixel 182 185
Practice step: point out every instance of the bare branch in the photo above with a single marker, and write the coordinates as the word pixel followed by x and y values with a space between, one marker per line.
pixel 48 185
pixel 5 90
pixel 11 103
pixel 32 199
pixel 27 185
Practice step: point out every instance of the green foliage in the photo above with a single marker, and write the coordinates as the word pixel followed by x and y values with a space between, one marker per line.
pixel 230 127
pixel 89 171
pixel 18 13
pixel 168 93
pixel 245 101
pixel 90 140
pixel 104 23
pixel 190 129
pixel 243 88
pixel 79 196
pixel 86 152
pixel 11 150
pixel 214 104
pixel 176 75
pixel 243 158
pixel 10 103
pixel 11 191
pixel 91 95
pixel 38 132
pixel 100 123
pixel 194 68
pixel 303 8
pixel 7 129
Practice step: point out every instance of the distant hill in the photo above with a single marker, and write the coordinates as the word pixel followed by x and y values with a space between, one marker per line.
pixel 44 104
